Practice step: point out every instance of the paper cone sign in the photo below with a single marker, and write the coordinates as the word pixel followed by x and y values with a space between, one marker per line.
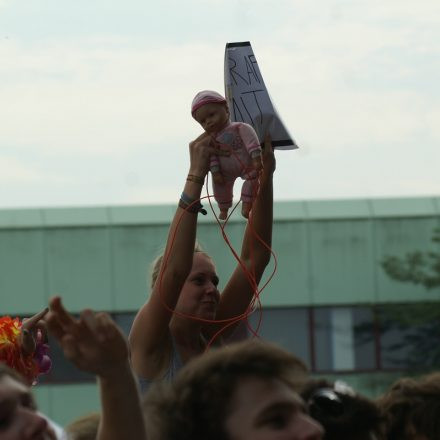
pixel 248 98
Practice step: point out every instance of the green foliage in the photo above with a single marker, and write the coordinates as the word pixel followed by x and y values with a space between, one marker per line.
pixel 418 327
pixel 416 267
pixel 417 324
pixel 409 335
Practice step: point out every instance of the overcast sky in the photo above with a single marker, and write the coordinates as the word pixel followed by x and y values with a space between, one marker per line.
pixel 95 95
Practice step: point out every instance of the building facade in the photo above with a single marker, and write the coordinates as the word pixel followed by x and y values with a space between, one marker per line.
pixel 329 300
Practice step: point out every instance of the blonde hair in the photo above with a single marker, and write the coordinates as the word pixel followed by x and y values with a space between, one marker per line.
pixel 157 262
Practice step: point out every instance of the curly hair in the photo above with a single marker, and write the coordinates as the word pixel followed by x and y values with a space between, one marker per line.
pixel 198 402
pixel 412 404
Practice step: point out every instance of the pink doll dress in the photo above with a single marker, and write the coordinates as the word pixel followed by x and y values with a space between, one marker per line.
pixel 241 140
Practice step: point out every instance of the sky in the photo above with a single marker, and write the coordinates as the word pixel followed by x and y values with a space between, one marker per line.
pixel 95 95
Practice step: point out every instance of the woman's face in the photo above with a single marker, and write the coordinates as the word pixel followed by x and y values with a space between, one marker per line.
pixel 18 417
pixel 269 410
pixel 200 296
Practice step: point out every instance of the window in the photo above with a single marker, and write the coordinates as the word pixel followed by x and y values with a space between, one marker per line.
pixel 409 335
pixel 287 327
pixel 343 339
pixel 328 339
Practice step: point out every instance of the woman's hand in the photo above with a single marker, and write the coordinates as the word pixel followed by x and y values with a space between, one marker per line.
pixel 200 151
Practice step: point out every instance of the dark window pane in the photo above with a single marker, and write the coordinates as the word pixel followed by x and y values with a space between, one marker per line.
pixel 365 338
pixel 287 327
pixel 410 335
pixel 344 338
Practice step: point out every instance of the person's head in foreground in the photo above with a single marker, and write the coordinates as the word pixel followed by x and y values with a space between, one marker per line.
pixel 245 391
pixel 344 414
pixel 19 419
pixel 412 409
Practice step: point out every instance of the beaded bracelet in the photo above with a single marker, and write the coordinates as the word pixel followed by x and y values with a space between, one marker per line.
pixel 190 205
pixel 196 179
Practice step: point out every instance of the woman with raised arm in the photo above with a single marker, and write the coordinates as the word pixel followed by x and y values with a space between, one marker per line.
pixel 184 281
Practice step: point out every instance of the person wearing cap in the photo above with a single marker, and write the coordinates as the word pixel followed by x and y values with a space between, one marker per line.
pixel 185 309
pixel 211 111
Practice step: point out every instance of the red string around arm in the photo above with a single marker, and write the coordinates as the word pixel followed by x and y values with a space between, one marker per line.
pixel 250 274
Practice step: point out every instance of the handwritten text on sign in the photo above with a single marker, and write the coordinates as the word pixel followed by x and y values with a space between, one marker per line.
pixel 248 98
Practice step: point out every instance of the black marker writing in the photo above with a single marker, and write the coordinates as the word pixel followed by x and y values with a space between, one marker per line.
pixel 235 74
pixel 247 111
pixel 254 93
pixel 250 69
pixel 235 107
pixel 253 64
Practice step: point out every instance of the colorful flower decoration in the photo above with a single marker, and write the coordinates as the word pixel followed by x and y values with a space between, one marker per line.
pixel 29 366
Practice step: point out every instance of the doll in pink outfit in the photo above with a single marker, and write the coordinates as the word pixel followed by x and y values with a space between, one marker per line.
pixel 211 111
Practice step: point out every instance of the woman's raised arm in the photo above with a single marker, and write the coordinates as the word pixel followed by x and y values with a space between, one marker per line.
pixel 256 247
pixel 150 331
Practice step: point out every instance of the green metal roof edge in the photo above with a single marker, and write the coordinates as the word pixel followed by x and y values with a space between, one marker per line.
pixel 349 209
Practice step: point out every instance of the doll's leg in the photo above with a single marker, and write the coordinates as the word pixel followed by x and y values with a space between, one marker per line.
pixel 223 197
pixel 217 175
pixel 248 192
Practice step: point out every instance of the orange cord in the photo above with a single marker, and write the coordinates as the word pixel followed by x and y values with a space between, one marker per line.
pixel 250 274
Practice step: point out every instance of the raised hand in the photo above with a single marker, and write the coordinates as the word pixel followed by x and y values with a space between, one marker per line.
pixel 94 343
pixel 33 330
pixel 200 151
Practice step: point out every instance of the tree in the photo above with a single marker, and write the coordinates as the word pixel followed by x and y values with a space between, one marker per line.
pixel 418 323
pixel 416 267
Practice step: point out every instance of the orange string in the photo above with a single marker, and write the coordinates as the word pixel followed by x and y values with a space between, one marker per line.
pixel 250 274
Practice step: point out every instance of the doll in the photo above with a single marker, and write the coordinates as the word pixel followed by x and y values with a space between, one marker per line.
pixel 211 111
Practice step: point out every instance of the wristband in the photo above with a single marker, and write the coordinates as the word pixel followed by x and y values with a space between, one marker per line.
pixel 191 205
pixel 196 179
